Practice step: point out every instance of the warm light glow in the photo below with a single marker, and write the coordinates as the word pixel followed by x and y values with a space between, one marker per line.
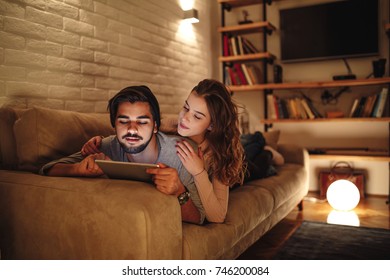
pixel 349 218
pixel 186 32
pixel 191 20
pixel 343 195
pixel 186 4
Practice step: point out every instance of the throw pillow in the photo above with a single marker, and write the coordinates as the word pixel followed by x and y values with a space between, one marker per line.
pixel 272 138
pixel 277 158
pixel 43 135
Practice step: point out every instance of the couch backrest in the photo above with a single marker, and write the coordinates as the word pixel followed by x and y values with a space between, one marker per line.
pixel 29 138
pixel 35 136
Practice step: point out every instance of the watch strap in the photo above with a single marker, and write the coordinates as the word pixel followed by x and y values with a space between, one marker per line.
pixel 184 197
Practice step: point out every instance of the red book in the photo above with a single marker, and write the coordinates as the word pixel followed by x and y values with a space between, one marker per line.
pixel 232 76
pixel 225 45
pixel 240 73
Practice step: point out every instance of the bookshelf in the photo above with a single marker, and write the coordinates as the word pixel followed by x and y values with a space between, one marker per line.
pixel 327 84
pixel 341 155
pixel 236 50
pixel 265 88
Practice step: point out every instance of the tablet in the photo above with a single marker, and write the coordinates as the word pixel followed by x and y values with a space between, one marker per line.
pixel 126 170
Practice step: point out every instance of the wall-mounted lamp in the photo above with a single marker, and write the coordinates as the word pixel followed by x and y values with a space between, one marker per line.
pixel 191 16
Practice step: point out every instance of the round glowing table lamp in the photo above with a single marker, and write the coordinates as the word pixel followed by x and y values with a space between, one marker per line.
pixel 343 195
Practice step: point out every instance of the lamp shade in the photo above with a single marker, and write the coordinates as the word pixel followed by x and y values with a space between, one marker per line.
pixel 343 195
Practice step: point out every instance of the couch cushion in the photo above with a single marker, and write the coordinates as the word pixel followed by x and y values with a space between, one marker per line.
pixel 43 217
pixel 287 183
pixel 248 207
pixel 43 135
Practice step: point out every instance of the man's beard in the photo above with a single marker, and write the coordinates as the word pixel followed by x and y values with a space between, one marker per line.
pixel 138 149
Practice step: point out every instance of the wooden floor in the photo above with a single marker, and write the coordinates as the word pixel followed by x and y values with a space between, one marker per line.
pixel 371 212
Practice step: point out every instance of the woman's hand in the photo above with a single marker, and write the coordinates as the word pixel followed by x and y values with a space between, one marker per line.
pixel 191 160
pixel 92 146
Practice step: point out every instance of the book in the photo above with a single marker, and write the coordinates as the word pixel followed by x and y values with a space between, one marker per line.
pixel 369 106
pixel 283 105
pixel 240 74
pixel 375 108
pixel 246 73
pixel 225 45
pixel 249 45
pixel 301 110
pixel 240 47
pixel 234 46
pixel 354 106
pixel 233 76
pixel 228 80
pixel 359 110
pixel 375 99
pixel 276 107
pixel 271 107
pixel 293 109
pixel 382 102
pixel 312 107
pixel 280 109
pixel 247 50
pixel 309 113
pixel 255 74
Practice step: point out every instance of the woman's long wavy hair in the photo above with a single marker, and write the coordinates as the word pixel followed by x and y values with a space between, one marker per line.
pixel 227 159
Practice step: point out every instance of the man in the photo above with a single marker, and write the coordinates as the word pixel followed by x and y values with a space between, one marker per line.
pixel 135 115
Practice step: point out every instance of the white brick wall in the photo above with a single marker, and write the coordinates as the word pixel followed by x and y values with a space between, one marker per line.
pixel 76 54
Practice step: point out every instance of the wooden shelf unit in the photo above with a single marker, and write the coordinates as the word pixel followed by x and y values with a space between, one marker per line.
pixel 318 120
pixel 246 57
pixel 351 157
pixel 247 28
pixel 240 3
pixel 267 88
pixel 312 85
pixel 262 27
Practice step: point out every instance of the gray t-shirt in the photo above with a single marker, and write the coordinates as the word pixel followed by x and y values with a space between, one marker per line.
pixel 167 154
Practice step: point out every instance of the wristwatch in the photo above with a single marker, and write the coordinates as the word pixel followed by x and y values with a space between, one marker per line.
pixel 184 197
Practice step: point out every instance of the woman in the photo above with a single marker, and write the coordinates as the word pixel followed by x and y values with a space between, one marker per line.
pixel 209 118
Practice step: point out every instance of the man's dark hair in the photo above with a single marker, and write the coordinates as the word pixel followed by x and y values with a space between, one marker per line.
pixel 134 94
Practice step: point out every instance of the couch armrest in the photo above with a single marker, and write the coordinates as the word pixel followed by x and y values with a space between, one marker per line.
pixel 86 218
pixel 294 154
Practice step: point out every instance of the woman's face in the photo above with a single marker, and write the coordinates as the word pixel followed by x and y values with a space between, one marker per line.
pixel 194 118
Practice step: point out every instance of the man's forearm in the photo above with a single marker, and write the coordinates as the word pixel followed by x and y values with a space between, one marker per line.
pixel 58 168
pixel 190 213
pixel 62 169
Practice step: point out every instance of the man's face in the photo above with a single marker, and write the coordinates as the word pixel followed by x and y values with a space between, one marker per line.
pixel 134 126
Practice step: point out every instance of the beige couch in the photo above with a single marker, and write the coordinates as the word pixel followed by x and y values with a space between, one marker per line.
pixel 89 218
